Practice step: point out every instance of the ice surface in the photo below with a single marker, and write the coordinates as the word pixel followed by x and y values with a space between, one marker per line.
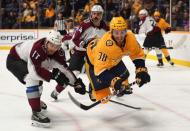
pixel 165 102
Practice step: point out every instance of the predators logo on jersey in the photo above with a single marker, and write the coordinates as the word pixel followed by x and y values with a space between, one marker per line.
pixel 109 43
pixel 104 53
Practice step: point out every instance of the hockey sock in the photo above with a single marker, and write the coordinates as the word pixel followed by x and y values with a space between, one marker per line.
pixel 146 51
pixel 165 52
pixel 168 58
pixel 59 88
pixel 159 56
pixel 160 61
pixel 33 96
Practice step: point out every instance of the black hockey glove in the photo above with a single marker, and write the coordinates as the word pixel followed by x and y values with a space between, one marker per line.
pixel 168 30
pixel 142 76
pixel 127 91
pixel 59 77
pixel 150 33
pixel 79 87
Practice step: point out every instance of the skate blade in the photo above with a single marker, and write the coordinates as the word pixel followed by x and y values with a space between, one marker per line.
pixel 160 66
pixel 41 125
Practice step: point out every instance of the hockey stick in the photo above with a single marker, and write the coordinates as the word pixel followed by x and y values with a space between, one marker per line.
pixel 137 108
pixel 153 48
pixel 82 106
pixel 87 107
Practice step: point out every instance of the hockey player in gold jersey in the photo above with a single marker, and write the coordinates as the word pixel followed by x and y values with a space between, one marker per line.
pixel 104 65
pixel 165 27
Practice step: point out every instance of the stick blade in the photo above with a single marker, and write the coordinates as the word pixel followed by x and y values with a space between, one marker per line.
pixel 132 107
pixel 80 105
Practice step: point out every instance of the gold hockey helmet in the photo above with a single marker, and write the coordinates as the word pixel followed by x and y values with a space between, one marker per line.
pixel 157 13
pixel 118 23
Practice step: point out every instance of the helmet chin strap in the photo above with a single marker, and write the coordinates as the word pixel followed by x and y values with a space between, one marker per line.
pixel 45 45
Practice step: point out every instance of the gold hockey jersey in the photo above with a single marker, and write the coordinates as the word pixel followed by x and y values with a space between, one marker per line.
pixel 162 24
pixel 104 53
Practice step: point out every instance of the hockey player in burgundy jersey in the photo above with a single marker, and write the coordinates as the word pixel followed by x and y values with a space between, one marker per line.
pixel 89 29
pixel 32 62
pixel 153 40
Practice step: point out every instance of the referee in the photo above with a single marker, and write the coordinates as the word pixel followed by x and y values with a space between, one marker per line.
pixel 60 24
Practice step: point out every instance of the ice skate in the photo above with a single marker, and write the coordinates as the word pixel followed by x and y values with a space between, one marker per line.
pixel 160 64
pixel 54 95
pixel 171 63
pixel 40 120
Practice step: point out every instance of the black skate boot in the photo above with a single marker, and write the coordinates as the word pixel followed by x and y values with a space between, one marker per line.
pixel 40 120
pixel 169 60
pixel 171 63
pixel 54 95
pixel 160 64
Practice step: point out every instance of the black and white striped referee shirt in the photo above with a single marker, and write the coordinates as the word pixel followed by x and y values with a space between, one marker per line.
pixel 60 24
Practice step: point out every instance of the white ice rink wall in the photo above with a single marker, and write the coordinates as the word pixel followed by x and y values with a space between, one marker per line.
pixel 180 41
